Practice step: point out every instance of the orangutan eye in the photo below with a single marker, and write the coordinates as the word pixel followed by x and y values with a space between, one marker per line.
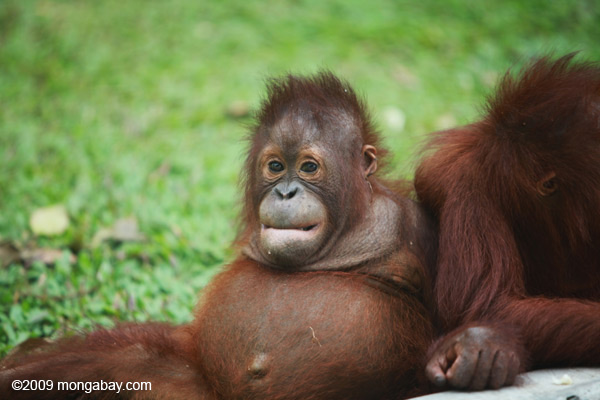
pixel 275 166
pixel 309 167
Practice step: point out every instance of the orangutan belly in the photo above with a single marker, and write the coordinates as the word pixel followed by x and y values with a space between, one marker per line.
pixel 267 334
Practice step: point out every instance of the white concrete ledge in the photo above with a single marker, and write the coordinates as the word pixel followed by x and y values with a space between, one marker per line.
pixel 550 384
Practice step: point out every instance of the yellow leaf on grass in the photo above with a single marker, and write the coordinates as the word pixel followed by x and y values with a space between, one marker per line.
pixel 49 221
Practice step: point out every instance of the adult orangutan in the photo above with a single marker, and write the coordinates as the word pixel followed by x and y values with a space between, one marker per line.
pixel 327 300
pixel 517 197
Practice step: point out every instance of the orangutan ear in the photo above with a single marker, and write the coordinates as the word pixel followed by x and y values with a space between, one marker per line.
pixel 548 184
pixel 370 154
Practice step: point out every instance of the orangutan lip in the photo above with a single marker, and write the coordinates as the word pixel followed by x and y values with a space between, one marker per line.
pixel 305 229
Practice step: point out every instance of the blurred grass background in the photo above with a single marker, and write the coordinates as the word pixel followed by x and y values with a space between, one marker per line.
pixel 136 109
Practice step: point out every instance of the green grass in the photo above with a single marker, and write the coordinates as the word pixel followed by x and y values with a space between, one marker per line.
pixel 119 108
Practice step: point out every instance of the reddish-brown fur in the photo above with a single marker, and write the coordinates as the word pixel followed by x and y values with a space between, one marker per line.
pixel 517 197
pixel 349 322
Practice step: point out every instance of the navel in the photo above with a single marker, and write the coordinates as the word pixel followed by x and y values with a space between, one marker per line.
pixel 259 366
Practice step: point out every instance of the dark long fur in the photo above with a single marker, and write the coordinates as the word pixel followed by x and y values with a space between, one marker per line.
pixel 506 251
